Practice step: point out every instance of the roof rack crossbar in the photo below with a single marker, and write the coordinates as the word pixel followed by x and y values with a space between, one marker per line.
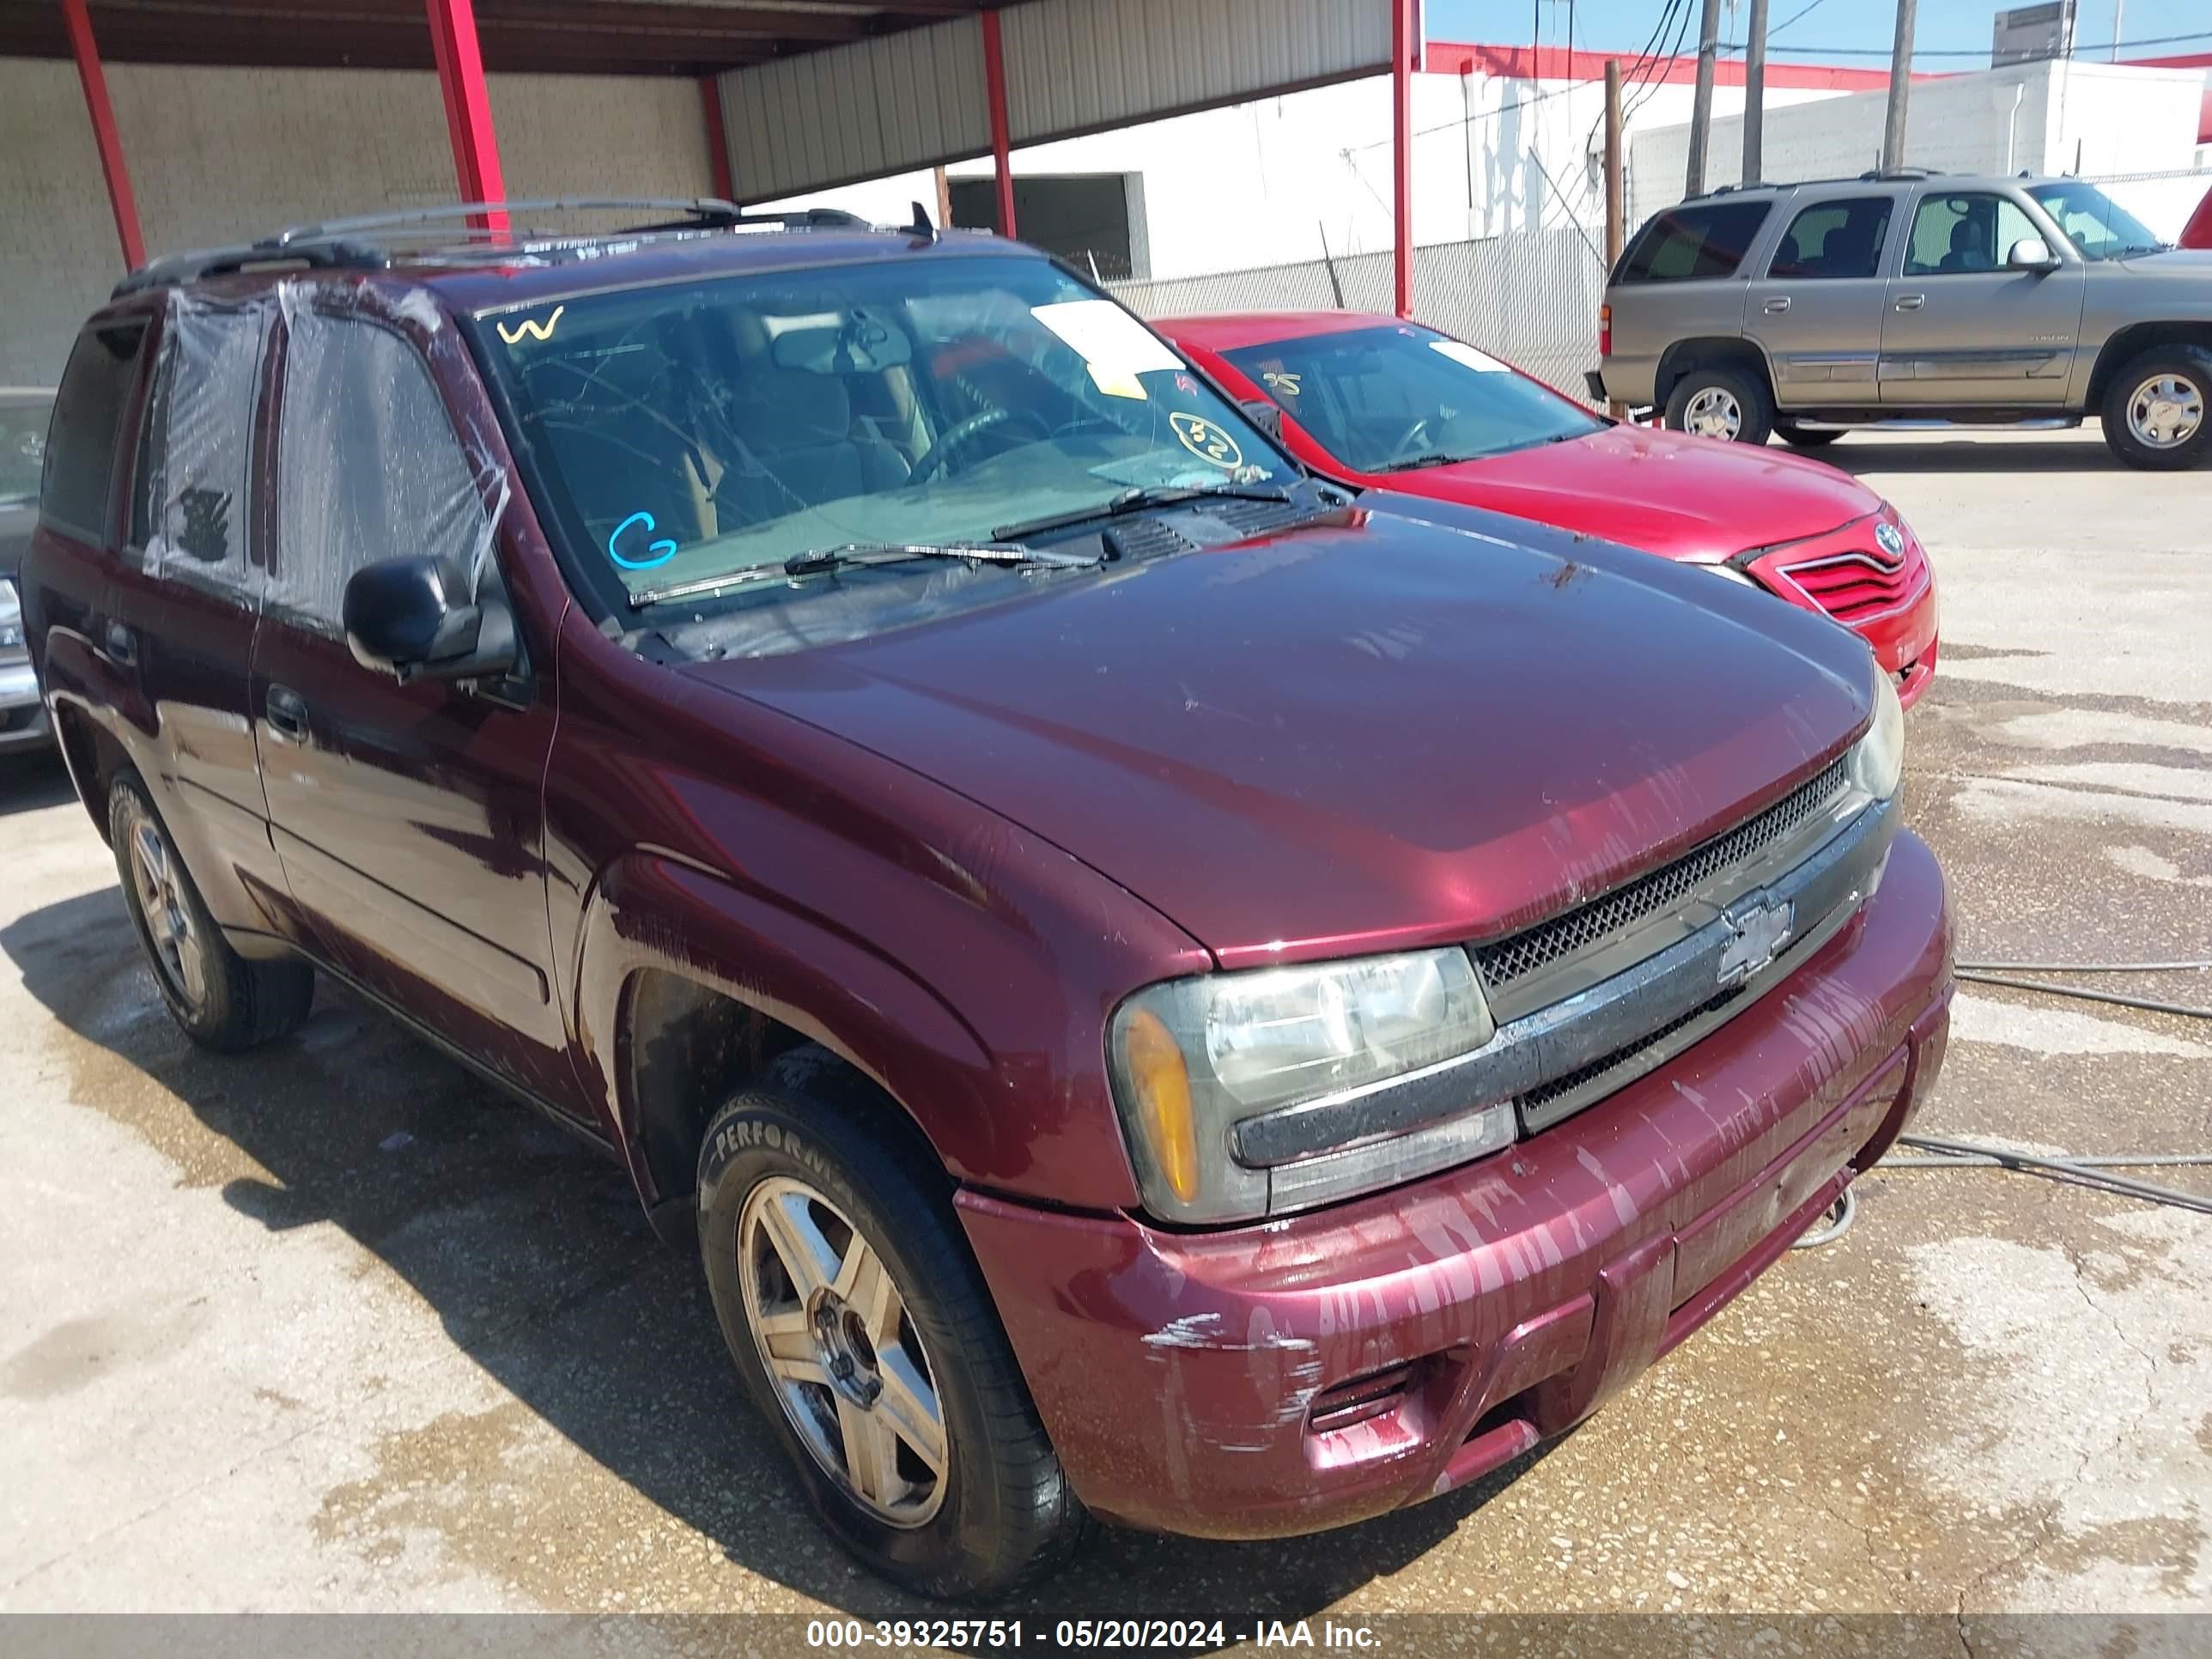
pixel 341 243
pixel 703 209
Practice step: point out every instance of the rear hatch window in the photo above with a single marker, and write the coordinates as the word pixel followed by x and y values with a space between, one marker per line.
pixel 1703 240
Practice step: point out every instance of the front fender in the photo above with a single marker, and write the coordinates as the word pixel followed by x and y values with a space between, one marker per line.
pixel 659 909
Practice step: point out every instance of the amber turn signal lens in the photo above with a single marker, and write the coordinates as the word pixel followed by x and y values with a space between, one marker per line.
pixel 1162 1083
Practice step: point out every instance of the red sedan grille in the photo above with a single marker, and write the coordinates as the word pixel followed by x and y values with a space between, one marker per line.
pixel 1855 587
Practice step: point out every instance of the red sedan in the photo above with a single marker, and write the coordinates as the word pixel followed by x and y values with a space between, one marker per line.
pixel 1374 402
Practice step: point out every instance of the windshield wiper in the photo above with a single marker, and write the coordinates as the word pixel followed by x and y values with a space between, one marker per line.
pixel 816 559
pixel 1001 549
pixel 1138 500
pixel 1434 458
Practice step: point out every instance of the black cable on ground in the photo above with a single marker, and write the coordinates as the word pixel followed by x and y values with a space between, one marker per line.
pixel 2067 1169
pixel 2086 993
pixel 2084 967
pixel 2089 1172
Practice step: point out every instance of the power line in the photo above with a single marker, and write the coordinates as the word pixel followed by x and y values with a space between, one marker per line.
pixel 1978 52
pixel 1801 12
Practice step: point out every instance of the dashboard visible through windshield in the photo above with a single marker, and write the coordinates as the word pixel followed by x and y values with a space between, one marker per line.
pixel 1389 399
pixel 733 428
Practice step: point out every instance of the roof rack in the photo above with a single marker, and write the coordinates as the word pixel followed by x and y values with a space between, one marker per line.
pixel 345 243
pixel 1872 175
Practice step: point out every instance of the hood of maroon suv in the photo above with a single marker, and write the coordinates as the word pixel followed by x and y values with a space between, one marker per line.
pixel 1364 733
pixel 1665 492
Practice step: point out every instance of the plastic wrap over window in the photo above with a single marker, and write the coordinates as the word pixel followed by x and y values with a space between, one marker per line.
pixel 193 516
pixel 369 465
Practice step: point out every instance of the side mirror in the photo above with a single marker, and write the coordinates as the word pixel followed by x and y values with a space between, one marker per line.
pixel 1267 417
pixel 410 618
pixel 2030 253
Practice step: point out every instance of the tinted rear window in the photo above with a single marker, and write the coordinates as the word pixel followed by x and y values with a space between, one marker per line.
pixel 81 447
pixel 1709 240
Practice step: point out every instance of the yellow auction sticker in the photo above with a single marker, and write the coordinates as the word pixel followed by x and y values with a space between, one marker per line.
pixel 1207 441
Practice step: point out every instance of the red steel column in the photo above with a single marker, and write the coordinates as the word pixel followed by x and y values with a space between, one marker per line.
pixel 994 94
pixel 468 105
pixel 1401 148
pixel 718 140
pixel 104 135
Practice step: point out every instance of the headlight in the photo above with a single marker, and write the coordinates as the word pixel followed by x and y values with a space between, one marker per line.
pixel 1251 1094
pixel 1878 762
pixel 11 618
pixel 1730 572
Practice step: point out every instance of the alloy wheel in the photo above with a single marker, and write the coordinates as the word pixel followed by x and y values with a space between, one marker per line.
pixel 180 952
pixel 847 1366
pixel 2165 412
pixel 1713 412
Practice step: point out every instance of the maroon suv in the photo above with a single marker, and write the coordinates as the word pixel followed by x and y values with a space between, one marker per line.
pixel 1158 990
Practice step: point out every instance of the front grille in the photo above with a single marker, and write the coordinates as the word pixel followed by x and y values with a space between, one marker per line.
pixel 1857 586
pixel 1508 960
pixel 1533 1102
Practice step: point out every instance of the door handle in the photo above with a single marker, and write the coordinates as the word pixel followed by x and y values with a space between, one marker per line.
pixel 287 712
pixel 1911 301
pixel 122 645
pixel 1778 304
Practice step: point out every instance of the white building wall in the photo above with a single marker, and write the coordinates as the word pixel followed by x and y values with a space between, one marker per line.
pixel 1270 182
pixel 225 154
pixel 2098 120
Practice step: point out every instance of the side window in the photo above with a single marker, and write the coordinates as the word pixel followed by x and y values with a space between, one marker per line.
pixel 368 466
pixel 1707 240
pixel 192 508
pixel 88 415
pixel 1958 235
pixel 1837 239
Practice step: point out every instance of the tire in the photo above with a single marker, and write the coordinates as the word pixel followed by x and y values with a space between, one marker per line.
pixel 2158 409
pixel 219 998
pixel 1737 400
pixel 1804 437
pixel 807 1163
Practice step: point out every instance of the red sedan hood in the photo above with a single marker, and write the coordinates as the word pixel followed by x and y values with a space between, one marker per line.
pixel 1363 734
pixel 1680 496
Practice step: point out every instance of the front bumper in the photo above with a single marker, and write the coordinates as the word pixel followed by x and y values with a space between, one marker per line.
pixel 23 723
pixel 1179 1373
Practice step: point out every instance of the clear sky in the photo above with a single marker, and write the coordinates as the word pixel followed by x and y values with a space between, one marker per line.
pixel 1816 28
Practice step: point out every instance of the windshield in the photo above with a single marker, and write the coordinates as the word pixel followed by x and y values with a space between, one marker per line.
pixel 22 446
pixel 2097 225
pixel 1386 398
pixel 728 427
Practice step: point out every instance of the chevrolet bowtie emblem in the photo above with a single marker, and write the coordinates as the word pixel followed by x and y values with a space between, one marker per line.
pixel 1760 932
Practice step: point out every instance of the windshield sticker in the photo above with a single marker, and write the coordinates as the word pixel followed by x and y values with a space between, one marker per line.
pixel 530 327
pixel 1282 380
pixel 1459 352
pixel 656 552
pixel 1114 345
pixel 1207 441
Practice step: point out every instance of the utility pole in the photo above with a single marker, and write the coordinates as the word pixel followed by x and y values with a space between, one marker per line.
pixel 2119 11
pixel 1616 226
pixel 1900 89
pixel 1754 94
pixel 1701 111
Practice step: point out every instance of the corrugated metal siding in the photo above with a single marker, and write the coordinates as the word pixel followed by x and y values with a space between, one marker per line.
pixel 858 112
pixel 1076 65
pixel 914 99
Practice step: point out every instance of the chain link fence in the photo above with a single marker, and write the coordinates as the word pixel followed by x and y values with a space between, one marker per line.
pixel 1530 296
